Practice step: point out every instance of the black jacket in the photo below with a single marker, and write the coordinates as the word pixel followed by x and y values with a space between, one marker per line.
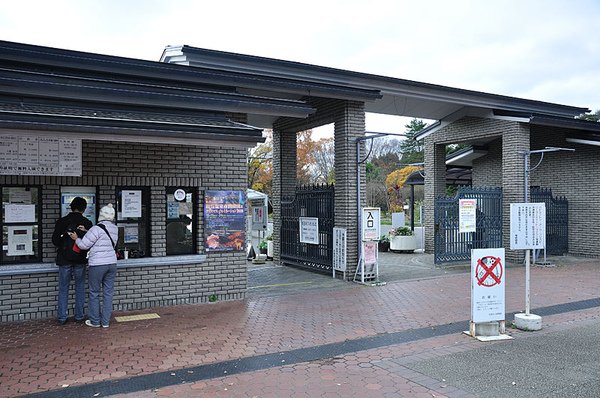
pixel 70 221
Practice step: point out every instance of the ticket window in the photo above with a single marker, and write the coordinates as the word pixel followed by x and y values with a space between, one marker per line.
pixel 133 215
pixel 20 224
pixel 181 225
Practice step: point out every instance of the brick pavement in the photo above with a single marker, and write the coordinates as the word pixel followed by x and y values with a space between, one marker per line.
pixel 39 356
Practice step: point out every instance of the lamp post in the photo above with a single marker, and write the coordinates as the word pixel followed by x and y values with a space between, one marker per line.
pixel 528 170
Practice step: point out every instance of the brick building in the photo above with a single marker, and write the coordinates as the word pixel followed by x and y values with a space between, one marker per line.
pixel 156 130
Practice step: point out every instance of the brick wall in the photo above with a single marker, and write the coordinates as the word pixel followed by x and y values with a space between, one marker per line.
pixel 575 175
pixel 108 165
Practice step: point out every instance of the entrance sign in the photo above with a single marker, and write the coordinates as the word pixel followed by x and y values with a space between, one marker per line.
pixel 487 285
pixel 467 215
pixel 339 249
pixel 371 223
pixel 39 155
pixel 527 226
pixel 309 230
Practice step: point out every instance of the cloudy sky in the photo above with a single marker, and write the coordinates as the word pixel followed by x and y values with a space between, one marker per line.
pixel 547 50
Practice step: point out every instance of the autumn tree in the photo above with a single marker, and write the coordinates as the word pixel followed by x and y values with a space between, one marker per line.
pixel 260 166
pixel 395 182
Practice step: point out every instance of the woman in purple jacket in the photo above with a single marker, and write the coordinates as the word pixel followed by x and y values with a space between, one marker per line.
pixel 102 261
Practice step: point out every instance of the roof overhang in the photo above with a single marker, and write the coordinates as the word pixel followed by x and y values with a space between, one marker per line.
pixel 398 96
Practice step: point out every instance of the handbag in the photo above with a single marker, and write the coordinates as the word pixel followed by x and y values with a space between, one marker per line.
pixel 112 242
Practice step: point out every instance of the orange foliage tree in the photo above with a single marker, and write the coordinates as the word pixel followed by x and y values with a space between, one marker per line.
pixel 395 182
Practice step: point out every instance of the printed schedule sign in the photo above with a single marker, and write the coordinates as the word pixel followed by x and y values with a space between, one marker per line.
pixel 487 285
pixel 467 213
pixel 39 155
pixel 527 226
pixel 309 230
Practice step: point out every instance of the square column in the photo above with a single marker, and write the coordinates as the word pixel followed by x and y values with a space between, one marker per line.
pixel 515 141
pixel 349 125
pixel 435 185
pixel 284 179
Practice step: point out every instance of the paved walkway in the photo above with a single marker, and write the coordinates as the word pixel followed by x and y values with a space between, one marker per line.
pixel 347 341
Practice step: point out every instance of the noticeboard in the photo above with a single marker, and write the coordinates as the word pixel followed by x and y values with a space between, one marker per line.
pixel 309 230
pixel 467 215
pixel 527 226
pixel 339 249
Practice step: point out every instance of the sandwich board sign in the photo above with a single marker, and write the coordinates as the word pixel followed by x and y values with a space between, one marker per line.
pixel 370 223
pixel 487 285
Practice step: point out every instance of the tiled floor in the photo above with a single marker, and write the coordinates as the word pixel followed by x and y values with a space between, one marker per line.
pixel 39 356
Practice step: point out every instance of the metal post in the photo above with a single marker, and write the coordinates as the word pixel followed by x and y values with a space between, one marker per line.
pixel 412 207
pixel 527 266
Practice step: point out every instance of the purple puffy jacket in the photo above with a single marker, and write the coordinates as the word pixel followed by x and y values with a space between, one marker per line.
pixel 101 251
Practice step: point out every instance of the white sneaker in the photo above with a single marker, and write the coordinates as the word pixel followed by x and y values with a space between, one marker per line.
pixel 104 326
pixel 90 324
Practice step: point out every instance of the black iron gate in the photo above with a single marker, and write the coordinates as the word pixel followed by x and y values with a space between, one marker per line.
pixel 452 246
pixel 310 201
pixel 557 220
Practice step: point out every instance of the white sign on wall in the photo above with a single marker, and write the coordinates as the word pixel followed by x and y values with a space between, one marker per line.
pixel 339 249
pixel 487 285
pixel 131 202
pixel 527 226
pixel 370 223
pixel 467 215
pixel 39 155
pixel 309 230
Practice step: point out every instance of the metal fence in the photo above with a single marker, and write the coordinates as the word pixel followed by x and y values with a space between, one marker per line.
pixel 309 201
pixel 449 244
pixel 557 220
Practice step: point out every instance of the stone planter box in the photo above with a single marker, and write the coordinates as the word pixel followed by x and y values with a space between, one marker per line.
pixel 403 243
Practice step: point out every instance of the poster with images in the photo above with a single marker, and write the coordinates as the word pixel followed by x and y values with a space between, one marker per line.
pixel 225 220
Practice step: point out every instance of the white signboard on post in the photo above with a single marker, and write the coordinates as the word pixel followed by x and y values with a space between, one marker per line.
pixel 309 230
pixel 487 285
pixel 527 226
pixel 339 249
pixel 370 223
pixel 467 215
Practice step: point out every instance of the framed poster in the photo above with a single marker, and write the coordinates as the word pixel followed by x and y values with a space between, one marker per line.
pixel 225 220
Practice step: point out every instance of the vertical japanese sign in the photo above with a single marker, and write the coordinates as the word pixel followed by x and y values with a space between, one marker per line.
pixel 527 226
pixel 467 215
pixel 370 223
pixel 309 230
pixel 487 285
pixel 339 249
pixel 225 220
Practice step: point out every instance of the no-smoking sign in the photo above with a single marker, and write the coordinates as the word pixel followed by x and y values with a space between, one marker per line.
pixel 489 271
pixel 487 285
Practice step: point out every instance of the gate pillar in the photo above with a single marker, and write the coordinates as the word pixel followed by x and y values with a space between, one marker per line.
pixel 284 180
pixel 349 125
pixel 435 185
pixel 515 141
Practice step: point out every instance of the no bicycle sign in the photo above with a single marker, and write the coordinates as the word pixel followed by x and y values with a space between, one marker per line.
pixel 487 285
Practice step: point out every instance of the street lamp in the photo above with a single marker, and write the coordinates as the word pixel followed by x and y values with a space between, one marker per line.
pixel 528 170
pixel 526 197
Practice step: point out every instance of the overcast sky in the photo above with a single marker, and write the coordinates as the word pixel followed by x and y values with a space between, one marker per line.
pixel 545 50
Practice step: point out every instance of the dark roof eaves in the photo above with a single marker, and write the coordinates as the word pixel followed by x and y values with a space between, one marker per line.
pixel 383 83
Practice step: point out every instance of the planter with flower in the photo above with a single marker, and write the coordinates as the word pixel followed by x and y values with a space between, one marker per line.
pixel 402 239
pixel 384 243
pixel 262 247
